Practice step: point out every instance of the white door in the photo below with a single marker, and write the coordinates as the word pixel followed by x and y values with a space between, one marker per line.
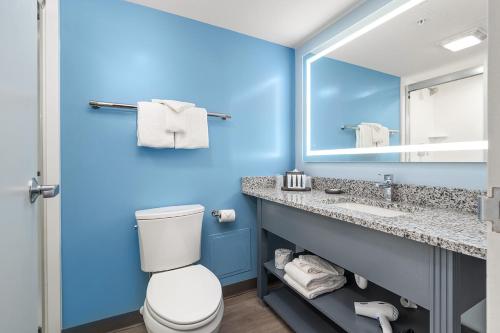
pixel 20 223
pixel 493 259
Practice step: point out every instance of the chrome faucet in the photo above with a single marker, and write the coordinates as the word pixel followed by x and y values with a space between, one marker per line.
pixel 386 185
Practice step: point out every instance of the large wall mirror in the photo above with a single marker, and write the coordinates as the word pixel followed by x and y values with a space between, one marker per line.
pixel 405 84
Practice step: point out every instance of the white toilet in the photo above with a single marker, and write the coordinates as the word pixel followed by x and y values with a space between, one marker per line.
pixel 180 296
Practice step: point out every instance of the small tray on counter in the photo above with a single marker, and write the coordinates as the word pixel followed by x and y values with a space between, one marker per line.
pixel 295 189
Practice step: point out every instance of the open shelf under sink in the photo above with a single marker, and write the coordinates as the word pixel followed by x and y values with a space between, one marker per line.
pixel 298 314
pixel 338 306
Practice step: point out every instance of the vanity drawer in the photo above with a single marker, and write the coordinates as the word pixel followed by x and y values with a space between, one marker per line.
pixel 400 265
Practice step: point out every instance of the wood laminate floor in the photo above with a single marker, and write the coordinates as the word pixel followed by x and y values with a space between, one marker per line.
pixel 243 313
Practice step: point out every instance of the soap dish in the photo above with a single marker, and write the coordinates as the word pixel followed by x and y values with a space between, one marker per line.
pixel 334 191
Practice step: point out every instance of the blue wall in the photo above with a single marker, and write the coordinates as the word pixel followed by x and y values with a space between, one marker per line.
pixel 346 94
pixel 116 51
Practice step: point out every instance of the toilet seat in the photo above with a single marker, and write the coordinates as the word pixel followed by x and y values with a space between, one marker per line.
pixel 185 327
pixel 153 326
pixel 184 299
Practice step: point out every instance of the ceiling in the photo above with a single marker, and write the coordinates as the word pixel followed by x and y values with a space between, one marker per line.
pixel 283 22
pixel 402 47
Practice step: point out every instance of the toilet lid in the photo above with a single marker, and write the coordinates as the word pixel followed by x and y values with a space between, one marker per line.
pixel 184 296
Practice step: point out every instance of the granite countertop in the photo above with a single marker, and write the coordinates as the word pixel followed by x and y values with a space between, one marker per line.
pixel 458 231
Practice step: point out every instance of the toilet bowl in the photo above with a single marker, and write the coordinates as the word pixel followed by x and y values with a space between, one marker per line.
pixel 184 299
pixel 181 296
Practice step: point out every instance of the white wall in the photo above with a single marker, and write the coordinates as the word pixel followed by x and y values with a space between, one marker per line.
pixel 453 113
pixel 464 64
pixel 466 175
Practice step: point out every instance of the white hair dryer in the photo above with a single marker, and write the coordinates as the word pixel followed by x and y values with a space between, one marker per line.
pixel 384 312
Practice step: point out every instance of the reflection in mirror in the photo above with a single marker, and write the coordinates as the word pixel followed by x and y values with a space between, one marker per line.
pixel 449 111
pixel 409 90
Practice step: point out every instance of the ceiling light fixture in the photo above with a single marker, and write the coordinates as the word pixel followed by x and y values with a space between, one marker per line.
pixel 464 40
pixel 422 21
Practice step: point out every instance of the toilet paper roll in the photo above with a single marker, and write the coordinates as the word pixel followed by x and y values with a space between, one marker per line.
pixel 282 257
pixel 361 281
pixel 227 215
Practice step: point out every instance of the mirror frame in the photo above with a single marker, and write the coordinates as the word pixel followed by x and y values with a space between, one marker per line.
pixel 365 25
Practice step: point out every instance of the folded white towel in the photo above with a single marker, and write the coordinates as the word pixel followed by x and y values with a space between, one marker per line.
pixel 307 267
pixel 177 106
pixel 364 136
pixel 151 126
pixel 310 281
pixel 380 134
pixel 175 120
pixel 196 133
pixel 311 262
pixel 382 137
pixel 310 294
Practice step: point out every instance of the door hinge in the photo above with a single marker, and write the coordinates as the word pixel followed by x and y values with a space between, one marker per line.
pixel 489 208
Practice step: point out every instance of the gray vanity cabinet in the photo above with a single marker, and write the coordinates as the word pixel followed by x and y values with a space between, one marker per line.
pixel 442 282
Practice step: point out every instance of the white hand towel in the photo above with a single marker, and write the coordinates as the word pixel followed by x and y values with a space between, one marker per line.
pixel 176 121
pixel 321 264
pixel 382 137
pixel 380 134
pixel 177 106
pixel 151 126
pixel 310 294
pixel 364 136
pixel 196 133
pixel 310 281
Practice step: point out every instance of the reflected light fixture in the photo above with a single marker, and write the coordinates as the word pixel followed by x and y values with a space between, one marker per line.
pixel 464 40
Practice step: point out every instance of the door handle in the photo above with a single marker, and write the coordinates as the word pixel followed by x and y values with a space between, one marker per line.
pixel 46 191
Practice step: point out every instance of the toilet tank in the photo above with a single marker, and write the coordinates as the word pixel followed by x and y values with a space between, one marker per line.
pixel 169 237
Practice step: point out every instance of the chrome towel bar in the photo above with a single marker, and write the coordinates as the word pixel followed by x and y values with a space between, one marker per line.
pixel 97 105
pixel 355 127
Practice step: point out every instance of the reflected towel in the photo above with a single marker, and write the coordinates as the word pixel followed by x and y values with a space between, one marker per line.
pixel 310 294
pixel 364 136
pixel 380 134
pixel 151 126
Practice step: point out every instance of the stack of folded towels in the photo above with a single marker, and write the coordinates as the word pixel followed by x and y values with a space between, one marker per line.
pixel 312 276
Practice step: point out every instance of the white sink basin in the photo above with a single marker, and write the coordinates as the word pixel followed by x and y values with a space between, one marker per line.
pixel 379 211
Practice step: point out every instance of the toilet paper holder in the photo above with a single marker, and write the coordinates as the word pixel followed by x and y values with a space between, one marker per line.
pixel 224 215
